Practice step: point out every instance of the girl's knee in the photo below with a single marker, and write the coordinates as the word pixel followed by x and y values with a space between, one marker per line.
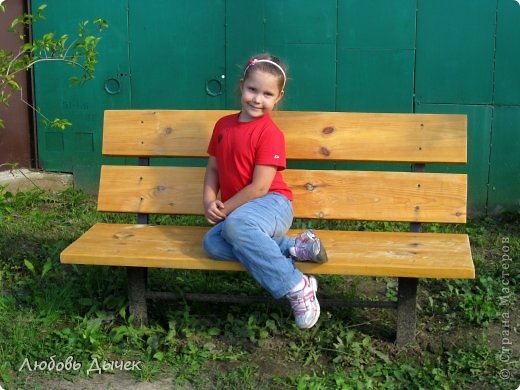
pixel 209 245
pixel 234 227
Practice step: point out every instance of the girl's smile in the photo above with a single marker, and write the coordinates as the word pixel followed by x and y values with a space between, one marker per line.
pixel 260 93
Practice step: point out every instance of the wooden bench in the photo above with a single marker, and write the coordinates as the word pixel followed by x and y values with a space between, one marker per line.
pixel 416 197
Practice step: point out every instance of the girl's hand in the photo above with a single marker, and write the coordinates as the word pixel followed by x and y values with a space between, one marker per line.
pixel 214 213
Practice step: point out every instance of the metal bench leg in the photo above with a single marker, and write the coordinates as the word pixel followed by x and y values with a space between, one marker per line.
pixel 137 280
pixel 406 302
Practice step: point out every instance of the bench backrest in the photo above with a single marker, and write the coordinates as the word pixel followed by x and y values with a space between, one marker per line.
pixel 310 136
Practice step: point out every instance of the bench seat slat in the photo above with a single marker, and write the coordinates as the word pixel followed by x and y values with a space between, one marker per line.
pixel 332 136
pixel 417 255
pixel 355 195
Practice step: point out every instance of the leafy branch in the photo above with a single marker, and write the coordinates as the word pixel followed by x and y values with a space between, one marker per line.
pixel 79 52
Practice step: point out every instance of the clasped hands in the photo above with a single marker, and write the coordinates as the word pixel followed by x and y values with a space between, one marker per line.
pixel 214 211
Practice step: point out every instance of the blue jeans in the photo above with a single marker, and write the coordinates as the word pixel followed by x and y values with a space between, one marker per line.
pixel 254 235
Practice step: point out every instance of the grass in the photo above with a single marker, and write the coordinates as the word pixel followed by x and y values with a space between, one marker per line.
pixel 57 322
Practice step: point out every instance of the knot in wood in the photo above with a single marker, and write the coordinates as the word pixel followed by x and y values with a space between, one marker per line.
pixel 325 151
pixel 168 131
pixel 328 130
pixel 160 188
pixel 310 187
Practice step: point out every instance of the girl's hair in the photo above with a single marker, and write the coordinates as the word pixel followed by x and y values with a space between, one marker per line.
pixel 269 64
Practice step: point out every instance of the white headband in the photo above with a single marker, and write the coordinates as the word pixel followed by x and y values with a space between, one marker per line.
pixel 254 61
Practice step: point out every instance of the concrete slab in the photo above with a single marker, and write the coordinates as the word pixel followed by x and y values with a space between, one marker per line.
pixel 25 179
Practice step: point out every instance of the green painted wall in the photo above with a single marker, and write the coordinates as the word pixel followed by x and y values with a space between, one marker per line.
pixel 439 56
pixel 78 149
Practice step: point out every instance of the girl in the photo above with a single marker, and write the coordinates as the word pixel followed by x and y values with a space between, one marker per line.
pixel 246 155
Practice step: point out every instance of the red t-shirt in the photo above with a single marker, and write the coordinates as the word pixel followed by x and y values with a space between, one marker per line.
pixel 240 146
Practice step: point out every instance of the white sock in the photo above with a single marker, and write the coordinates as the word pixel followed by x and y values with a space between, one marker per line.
pixel 299 286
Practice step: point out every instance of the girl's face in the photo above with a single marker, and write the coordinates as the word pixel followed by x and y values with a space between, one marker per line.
pixel 260 93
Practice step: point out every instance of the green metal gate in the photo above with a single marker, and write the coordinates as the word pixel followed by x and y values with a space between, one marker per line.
pixel 452 56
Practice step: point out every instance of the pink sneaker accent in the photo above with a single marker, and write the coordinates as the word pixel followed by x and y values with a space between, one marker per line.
pixel 308 247
pixel 304 304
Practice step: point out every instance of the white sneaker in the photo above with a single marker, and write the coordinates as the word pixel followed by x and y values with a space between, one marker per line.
pixel 304 303
pixel 308 247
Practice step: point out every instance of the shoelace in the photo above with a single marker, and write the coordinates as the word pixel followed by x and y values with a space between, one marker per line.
pixel 299 299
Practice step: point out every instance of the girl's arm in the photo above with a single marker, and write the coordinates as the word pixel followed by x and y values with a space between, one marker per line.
pixel 263 176
pixel 212 206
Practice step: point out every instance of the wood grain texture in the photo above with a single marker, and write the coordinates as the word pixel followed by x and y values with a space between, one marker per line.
pixel 418 255
pixel 333 136
pixel 356 195
pixel 330 194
